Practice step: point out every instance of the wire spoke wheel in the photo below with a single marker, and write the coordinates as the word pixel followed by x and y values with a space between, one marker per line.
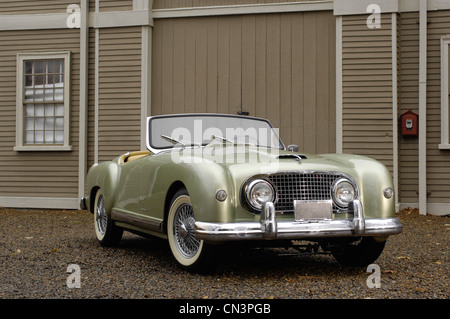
pixel 101 218
pixel 185 238
pixel 189 252
pixel 108 234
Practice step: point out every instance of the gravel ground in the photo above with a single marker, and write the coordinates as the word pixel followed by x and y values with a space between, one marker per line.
pixel 37 247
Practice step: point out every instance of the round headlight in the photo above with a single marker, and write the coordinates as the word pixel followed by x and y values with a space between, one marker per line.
pixel 259 192
pixel 343 192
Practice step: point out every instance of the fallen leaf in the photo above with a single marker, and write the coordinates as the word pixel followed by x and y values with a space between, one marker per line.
pixel 403 257
pixel 307 277
pixel 388 271
pixel 421 290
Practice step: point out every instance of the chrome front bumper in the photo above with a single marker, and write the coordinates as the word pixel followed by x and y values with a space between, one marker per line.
pixel 269 228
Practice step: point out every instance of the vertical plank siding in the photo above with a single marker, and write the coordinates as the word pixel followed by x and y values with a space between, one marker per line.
pixel 41 174
pixel 279 66
pixel 119 91
pixel 367 89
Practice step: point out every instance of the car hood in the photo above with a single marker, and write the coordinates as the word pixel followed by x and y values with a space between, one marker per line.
pixel 251 160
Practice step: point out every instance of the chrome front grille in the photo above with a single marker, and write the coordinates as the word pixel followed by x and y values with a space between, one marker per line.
pixel 302 186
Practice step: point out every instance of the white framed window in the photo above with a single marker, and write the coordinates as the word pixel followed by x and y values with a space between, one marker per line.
pixel 445 93
pixel 43 101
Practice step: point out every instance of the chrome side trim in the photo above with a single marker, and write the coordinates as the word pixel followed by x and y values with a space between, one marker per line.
pixel 136 221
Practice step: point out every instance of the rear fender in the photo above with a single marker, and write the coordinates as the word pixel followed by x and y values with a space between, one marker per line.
pixel 104 176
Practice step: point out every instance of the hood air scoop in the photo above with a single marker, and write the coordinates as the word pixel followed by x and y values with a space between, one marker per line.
pixel 296 157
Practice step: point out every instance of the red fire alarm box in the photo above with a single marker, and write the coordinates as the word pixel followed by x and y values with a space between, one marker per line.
pixel 409 124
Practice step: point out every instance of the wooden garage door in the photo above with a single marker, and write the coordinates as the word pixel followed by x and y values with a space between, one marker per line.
pixel 279 66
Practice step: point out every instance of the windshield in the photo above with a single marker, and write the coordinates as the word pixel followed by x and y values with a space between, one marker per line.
pixel 165 131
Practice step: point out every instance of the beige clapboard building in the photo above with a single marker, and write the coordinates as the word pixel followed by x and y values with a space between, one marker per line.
pixel 79 77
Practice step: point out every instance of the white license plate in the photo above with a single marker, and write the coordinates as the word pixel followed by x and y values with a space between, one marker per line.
pixel 313 210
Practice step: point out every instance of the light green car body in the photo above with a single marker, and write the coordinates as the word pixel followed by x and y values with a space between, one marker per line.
pixel 143 188
pixel 198 195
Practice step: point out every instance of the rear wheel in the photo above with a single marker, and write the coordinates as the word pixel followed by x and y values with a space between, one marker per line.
pixel 108 234
pixel 189 252
pixel 358 253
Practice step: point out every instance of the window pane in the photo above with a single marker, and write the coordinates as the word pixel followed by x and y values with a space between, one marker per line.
pixel 29 94
pixel 39 110
pixel 49 110
pixel 29 124
pixel 59 110
pixel 59 137
pixel 39 124
pixel 38 67
pixel 39 137
pixel 28 80
pixel 29 110
pixel 39 93
pixel 49 137
pixel 59 68
pixel 49 123
pixel 29 137
pixel 28 67
pixel 59 92
pixel 59 123
pixel 50 66
pixel 48 92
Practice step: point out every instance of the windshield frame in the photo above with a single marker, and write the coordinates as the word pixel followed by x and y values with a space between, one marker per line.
pixel 156 149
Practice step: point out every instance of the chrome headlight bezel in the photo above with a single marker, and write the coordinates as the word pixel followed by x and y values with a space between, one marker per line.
pixel 251 196
pixel 341 188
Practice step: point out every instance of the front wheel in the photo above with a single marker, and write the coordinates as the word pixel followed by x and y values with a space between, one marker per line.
pixel 359 253
pixel 190 253
pixel 108 234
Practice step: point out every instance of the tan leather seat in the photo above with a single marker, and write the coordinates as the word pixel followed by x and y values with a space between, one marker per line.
pixel 129 157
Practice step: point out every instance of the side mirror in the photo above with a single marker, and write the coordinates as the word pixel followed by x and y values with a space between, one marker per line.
pixel 293 148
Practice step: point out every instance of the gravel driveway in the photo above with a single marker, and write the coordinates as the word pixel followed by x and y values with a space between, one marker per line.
pixel 37 247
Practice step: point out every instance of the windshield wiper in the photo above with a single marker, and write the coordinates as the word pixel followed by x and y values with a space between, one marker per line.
pixel 222 139
pixel 175 141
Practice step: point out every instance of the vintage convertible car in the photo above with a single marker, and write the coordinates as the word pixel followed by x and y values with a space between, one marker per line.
pixel 210 179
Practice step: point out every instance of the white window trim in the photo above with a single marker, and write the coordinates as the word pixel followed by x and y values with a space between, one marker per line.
pixel 445 125
pixel 24 56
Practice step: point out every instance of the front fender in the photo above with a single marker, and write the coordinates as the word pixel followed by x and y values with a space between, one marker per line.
pixel 202 181
pixel 372 178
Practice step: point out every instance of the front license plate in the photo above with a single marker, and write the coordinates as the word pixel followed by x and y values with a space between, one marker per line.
pixel 312 210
